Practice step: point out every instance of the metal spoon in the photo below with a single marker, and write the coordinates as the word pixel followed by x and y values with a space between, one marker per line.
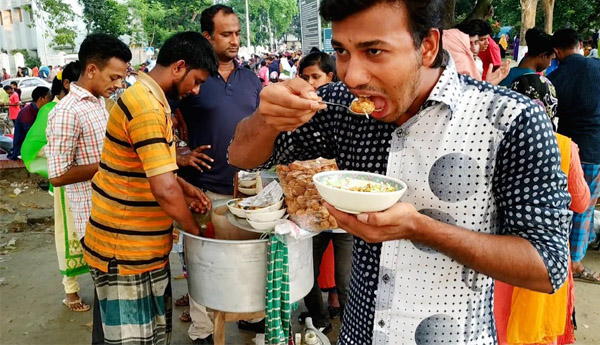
pixel 347 108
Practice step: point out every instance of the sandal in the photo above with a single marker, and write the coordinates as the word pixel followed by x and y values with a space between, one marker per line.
pixel 587 276
pixel 185 316
pixel 184 301
pixel 77 306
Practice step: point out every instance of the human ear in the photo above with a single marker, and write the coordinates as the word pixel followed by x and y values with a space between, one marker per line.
pixel 430 47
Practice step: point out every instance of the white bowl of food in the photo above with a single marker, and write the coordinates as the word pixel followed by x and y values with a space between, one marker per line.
pixel 276 206
pixel 263 226
pixel 233 206
pixel 248 191
pixel 269 216
pixel 358 192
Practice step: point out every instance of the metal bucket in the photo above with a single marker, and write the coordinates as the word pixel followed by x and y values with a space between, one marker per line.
pixel 230 276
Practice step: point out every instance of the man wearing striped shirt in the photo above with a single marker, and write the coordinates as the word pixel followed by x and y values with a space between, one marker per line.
pixel 137 194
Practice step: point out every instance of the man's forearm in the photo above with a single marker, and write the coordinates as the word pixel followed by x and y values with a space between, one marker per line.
pixel 170 197
pixel 76 174
pixel 252 144
pixel 509 259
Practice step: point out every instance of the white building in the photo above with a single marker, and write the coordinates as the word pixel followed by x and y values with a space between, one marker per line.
pixel 18 30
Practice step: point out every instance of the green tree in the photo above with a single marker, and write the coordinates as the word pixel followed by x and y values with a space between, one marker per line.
pixel 106 16
pixel 56 18
pixel 268 18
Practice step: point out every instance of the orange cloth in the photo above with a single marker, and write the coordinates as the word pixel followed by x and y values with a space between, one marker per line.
pixel 578 187
pixel 327 270
pixel 458 45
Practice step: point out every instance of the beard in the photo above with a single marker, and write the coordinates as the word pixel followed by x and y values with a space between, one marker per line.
pixel 173 92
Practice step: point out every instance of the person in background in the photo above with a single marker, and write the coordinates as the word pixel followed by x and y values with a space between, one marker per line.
pixel 503 44
pixel 210 118
pixel 76 130
pixel 489 51
pixel 332 250
pixel 14 103
pixel 516 43
pixel 15 87
pixel 263 73
pixel 462 43
pixel 5 75
pixel 578 90
pixel 595 39
pixel 35 72
pixel 68 247
pixel 39 97
pixel 44 72
pixel 274 66
pixel 540 53
pixel 19 73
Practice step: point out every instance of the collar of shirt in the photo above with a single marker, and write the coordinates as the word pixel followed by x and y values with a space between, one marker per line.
pixel 447 87
pixel 82 93
pixel 572 57
pixel 155 89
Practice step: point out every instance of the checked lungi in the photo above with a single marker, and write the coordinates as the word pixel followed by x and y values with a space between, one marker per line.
pixel 137 308
pixel 582 232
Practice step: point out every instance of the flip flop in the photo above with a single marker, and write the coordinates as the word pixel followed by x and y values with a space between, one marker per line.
pixel 73 305
pixel 587 276
pixel 185 316
pixel 184 301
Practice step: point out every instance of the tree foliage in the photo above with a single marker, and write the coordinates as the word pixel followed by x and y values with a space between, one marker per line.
pixel 581 15
pixel 106 16
pixel 267 17
pixel 57 19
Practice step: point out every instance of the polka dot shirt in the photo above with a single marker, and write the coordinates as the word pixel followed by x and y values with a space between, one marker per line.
pixel 475 156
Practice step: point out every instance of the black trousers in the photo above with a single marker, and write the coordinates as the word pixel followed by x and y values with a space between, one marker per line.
pixel 342 252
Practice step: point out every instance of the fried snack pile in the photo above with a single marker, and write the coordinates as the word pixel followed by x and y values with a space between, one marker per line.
pixel 304 204
pixel 362 105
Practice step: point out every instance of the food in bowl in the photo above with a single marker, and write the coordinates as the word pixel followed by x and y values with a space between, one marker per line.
pixel 235 207
pixel 359 192
pixel 362 105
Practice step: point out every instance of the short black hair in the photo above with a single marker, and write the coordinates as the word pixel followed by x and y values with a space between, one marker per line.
pixel 565 39
pixel 263 63
pixel 14 83
pixel 7 87
pixel 481 27
pixel 325 62
pixel 207 22
pixel 469 28
pixel 538 42
pixel 422 15
pixel 71 73
pixel 99 48
pixel 191 47
pixel 39 92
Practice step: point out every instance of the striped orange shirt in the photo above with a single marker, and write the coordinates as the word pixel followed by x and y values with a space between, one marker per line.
pixel 127 224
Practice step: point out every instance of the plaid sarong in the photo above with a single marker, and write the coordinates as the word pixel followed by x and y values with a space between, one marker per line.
pixel 582 233
pixel 135 309
pixel 278 308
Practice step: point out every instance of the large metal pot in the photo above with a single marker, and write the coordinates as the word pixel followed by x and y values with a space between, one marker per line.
pixel 230 275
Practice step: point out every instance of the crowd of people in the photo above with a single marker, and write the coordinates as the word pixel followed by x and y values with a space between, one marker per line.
pixel 500 162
